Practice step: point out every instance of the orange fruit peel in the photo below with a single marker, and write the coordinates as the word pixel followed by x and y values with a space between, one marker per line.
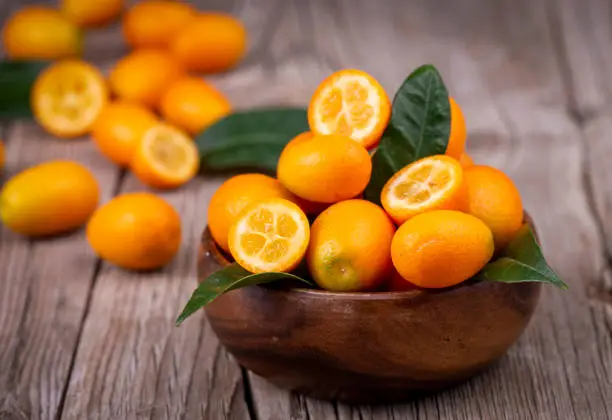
pixel 234 195
pixel 431 183
pixel 458 131
pixel 324 168
pixel 135 231
pixel 351 103
pixel 494 198
pixel 441 248
pixel 166 157
pixel 37 32
pixel 270 236
pixel 119 129
pixel 466 160
pixel 67 98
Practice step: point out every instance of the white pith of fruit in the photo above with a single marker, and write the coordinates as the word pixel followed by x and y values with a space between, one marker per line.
pixel 170 152
pixel 437 167
pixel 373 100
pixel 295 242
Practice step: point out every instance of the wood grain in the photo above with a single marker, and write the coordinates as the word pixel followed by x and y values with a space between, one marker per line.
pixel 331 345
pixel 132 362
pixel 42 304
pixel 514 98
pixel 532 78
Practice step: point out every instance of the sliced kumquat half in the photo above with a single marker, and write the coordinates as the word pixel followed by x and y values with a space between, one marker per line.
pixel 431 183
pixel 352 103
pixel 270 235
pixel 68 96
pixel 165 158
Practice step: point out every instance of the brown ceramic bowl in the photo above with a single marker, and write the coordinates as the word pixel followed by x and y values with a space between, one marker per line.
pixel 367 347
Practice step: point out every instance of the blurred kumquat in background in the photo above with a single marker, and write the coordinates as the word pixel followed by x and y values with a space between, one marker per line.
pixel 119 129
pixel 154 23
pixel 50 198
pixel 38 32
pixel 141 115
pixel 92 14
pixel 210 42
pixel 193 104
pixel 144 75
pixel 145 114
pixel 67 98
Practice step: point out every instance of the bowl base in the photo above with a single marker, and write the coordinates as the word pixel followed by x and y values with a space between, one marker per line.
pixel 373 393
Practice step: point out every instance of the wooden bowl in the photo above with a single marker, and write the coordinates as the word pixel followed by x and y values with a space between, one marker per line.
pixel 367 347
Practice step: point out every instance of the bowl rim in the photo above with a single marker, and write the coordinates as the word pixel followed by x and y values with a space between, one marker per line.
pixel 207 243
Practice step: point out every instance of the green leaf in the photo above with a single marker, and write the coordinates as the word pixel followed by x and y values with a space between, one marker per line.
pixel 16 81
pixel 229 278
pixel 251 140
pixel 521 261
pixel 419 127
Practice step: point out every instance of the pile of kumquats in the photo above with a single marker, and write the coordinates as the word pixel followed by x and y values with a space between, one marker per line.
pixel 435 223
pixel 141 116
pixel 440 219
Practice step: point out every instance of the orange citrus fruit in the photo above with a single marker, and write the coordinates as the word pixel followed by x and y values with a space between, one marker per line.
pixel 350 247
pixel 67 98
pixel 465 160
pixel 193 104
pixel 269 235
pixel 234 195
pixel 144 75
pixel 38 32
pixel 431 183
pixel 441 248
pixel 324 168
pixel 210 42
pixel 119 129
pixel 92 13
pixel 137 231
pixel 165 157
pixel 351 103
pixel 299 139
pixel 495 200
pixel 458 132
pixel 153 23
pixel 311 208
pixel 50 198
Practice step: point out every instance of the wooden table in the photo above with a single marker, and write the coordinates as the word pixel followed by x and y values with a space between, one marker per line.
pixel 81 339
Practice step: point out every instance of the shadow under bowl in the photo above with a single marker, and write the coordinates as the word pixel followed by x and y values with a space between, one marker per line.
pixel 377 347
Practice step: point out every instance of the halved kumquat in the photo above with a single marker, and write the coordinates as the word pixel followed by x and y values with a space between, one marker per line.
pixel 351 103
pixel 165 158
pixel 431 183
pixel 234 195
pixel 270 236
pixel 67 98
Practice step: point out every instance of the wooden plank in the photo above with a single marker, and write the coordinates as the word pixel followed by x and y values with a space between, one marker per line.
pixel 582 33
pixel 132 362
pixel 499 62
pixel 44 286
